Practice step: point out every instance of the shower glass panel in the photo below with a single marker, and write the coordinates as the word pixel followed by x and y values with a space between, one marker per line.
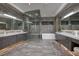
pixel 47 27
pixel 35 27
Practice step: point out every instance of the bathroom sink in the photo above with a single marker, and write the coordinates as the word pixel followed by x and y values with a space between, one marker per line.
pixel 72 32
pixel 9 32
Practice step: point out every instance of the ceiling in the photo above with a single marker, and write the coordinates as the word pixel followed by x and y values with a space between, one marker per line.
pixel 46 9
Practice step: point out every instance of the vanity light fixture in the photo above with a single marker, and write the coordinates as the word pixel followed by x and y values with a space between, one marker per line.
pixel 10 16
pixel 2 23
pixel 69 14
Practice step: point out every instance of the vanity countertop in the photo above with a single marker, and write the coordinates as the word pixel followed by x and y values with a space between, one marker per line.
pixel 69 35
pixel 10 34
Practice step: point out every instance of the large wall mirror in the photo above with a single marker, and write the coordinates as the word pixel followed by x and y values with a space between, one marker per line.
pixel 5 24
pixel 18 25
pixel 71 22
pixel 12 24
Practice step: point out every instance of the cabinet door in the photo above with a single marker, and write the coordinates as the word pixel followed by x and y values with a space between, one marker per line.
pixel 25 36
pixel 11 40
pixel 19 37
pixel 66 41
pixel 1 42
pixel 60 38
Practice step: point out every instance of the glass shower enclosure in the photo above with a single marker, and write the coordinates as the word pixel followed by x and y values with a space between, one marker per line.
pixel 34 28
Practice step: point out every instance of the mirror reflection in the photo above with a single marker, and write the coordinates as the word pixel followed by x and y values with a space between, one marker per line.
pixel 71 22
pixel 17 25
pixel 12 24
pixel 5 24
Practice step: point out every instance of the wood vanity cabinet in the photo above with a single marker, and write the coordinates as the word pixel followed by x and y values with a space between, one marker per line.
pixel 21 37
pixel 2 41
pixel 6 41
pixel 66 41
pixel 60 38
pixel 9 40
pixel 18 37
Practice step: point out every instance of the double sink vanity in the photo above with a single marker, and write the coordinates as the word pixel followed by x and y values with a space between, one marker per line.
pixel 9 37
pixel 69 38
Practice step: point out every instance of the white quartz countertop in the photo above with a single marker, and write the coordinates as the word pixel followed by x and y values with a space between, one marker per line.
pixel 69 35
pixel 10 34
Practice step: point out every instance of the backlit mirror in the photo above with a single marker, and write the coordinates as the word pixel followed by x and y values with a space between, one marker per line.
pixel 10 24
pixel 71 22
pixel 18 25
pixel 5 24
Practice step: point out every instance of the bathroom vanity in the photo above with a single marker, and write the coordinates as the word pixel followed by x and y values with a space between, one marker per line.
pixel 69 39
pixel 10 37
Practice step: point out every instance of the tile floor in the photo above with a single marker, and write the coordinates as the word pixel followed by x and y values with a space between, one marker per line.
pixel 38 48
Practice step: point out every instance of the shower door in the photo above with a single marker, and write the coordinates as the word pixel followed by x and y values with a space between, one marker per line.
pixel 35 29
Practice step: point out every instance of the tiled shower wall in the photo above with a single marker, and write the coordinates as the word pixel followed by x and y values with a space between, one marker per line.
pixel 47 28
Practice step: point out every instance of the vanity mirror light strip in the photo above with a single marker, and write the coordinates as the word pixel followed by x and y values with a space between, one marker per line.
pixel 2 23
pixel 69 14
pixel 12 17
pixel 9 16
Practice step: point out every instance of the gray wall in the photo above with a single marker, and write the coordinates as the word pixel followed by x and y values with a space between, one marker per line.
pixel 40 28
pixel 47 29
pixel 35 29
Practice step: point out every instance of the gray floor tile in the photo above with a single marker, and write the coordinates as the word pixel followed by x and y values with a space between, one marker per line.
pixel 37 48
